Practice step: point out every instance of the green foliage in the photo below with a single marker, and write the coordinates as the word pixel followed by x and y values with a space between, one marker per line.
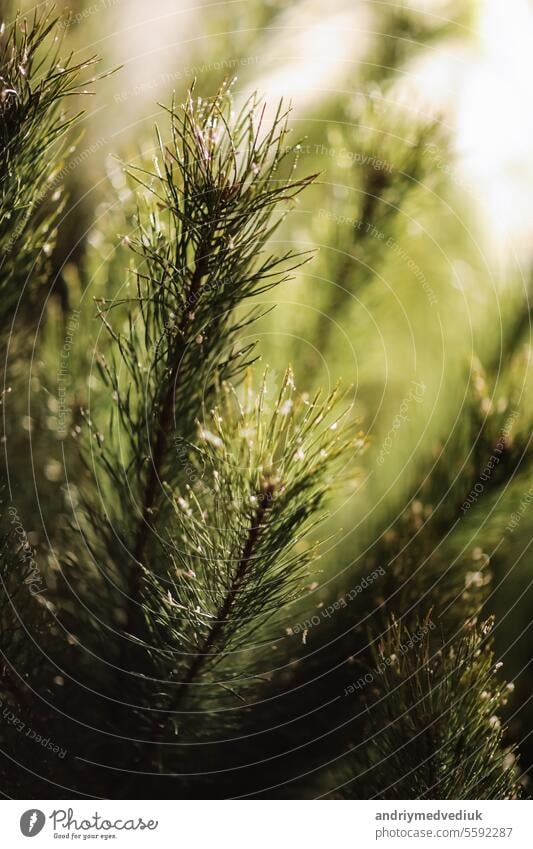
pixel 375 206
pixel 240 555
pixel 213 204
pixel 433 719
pixel 182 614
pixel 35 82
pixel 223 490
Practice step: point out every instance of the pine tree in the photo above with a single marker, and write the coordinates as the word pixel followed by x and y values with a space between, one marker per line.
pixel 179 634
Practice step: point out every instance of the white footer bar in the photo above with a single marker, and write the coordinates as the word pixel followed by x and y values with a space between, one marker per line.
pixel 266 824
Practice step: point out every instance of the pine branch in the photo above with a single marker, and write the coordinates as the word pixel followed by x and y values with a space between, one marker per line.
pixel 164 428
pixel 211 208
pixel 433 720
pixel 238 559
pixel 34 86
pixel 373 207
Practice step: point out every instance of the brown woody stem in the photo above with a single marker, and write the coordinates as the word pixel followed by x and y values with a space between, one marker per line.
pixel 237 582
